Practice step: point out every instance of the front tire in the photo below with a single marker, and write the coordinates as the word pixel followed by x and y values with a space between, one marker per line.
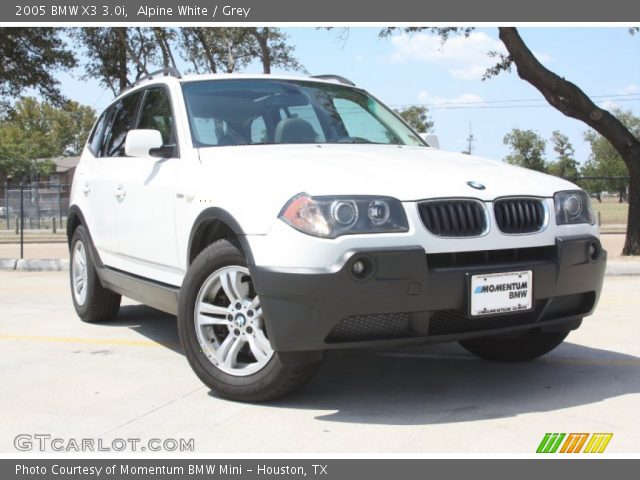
pixel 92 302
pixel 515 347
pixel 222 330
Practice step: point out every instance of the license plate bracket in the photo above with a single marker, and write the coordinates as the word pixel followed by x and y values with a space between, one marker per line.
pixel 501 293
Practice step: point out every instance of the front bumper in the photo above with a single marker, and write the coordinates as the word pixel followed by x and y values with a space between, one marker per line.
pixel 414 297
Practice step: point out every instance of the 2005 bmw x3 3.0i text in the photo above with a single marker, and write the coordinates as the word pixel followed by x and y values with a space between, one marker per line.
pixel 283 217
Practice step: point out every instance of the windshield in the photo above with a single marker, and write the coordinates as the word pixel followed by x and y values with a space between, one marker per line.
pixel 252 112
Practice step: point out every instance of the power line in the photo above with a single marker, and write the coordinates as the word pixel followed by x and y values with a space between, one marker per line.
pixel 514 100
pixel 472 105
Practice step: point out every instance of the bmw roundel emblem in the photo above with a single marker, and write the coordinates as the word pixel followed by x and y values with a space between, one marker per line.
pixel 476 185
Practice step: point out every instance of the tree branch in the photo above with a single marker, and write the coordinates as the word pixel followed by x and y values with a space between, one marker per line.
pixel 567 97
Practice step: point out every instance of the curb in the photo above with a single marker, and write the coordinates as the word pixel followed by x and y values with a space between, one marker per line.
pixel 8 264
pixel 44 265
pixel 623 268
pixel 58 264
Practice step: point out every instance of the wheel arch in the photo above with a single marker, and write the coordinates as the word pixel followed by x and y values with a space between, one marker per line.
pixel 75 218
pixel 214 224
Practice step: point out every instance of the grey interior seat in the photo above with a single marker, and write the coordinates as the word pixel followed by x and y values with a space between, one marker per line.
pixel 295 130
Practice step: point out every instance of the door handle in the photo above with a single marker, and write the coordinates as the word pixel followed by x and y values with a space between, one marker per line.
pixel 86 189
pixel 120 193
pixel 185 196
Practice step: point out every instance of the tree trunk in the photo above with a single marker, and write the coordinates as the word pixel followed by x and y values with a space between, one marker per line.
pixel 123 71
pixel 569 99
pixel 263 41
pixel 632 242
pixel 207 52
pixel 165 48
pixel 262 37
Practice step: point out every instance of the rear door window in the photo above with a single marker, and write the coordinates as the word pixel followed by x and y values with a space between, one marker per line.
pixel 95 140
pixel 124 120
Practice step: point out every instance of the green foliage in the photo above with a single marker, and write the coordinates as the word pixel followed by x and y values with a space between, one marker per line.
pixel 216 49
pixel 604 160
pixel 118 56
pixel 527 149
pixel 565 165
pixel 114 53
pixel 418 117
pixel 34 131
pixel 273 49
pixel 30 56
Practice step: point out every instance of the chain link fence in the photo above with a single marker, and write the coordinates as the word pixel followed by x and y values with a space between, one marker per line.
pixel 33 220
pixel 610 201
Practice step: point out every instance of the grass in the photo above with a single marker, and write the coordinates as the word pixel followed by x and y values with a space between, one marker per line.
pixel 612 214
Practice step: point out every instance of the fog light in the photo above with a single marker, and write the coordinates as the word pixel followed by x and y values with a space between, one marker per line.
pixel 594 251
pixel 358 268
pixel 362 268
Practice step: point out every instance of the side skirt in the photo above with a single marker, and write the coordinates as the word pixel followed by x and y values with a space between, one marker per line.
pixel 155 294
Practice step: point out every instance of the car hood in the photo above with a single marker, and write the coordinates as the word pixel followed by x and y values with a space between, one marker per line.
pixel 405 173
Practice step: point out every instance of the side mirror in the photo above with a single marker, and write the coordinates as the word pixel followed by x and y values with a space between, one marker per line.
pixel 431 139
pixel 139 142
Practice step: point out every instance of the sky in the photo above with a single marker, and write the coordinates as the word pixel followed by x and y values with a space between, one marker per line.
pixel 406 70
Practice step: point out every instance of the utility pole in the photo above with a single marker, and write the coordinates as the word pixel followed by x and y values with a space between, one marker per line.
pixel 470 140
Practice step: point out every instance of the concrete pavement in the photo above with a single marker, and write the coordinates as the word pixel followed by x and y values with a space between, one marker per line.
pixel 128 378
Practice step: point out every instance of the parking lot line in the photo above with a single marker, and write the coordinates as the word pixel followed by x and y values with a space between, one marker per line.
pixel 94 341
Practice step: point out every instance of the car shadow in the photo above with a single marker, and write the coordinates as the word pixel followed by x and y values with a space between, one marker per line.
pixel 436 383
pixel 445 384
pixel 157 326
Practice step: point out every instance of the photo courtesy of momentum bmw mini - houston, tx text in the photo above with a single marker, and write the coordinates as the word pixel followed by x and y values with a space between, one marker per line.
pixel 409 244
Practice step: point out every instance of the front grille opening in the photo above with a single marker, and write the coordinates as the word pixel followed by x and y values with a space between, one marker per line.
pixel 447 322
pixel 519 215
pixel 483 257
pixel 454 218
pixel 388 326
pixel 358 328
pixel 570 305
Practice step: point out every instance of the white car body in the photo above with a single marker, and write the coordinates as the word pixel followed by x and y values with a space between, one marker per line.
pixel 244 241
pixel 138 235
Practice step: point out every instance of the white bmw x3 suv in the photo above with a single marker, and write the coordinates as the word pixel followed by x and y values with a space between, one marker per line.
pixel 283 217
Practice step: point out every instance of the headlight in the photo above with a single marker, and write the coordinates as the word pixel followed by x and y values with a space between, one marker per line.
pixel 332 217
pixel 573 207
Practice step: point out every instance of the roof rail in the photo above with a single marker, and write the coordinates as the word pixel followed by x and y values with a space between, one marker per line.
pixel 165 72
pixel 338 78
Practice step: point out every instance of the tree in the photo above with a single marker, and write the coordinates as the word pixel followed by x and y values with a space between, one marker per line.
pixel 71 126
pixel 29 58
pixel 565 165
pixel 165 37
pixel 217 49
pixel 35 131
pixel 417 116
pixel 569 99
pixel 273 50
pixel 114 54
pixel 605 161
pixel 527 149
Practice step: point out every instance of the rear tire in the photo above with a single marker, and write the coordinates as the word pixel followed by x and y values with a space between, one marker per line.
pixel 515 347
pixel 93 302
pixel 223 334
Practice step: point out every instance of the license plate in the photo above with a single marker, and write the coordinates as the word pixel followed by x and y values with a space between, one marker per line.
pixel 496 293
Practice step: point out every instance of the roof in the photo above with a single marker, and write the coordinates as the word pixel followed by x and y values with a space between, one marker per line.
pixel 333 79
pixel 63 164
